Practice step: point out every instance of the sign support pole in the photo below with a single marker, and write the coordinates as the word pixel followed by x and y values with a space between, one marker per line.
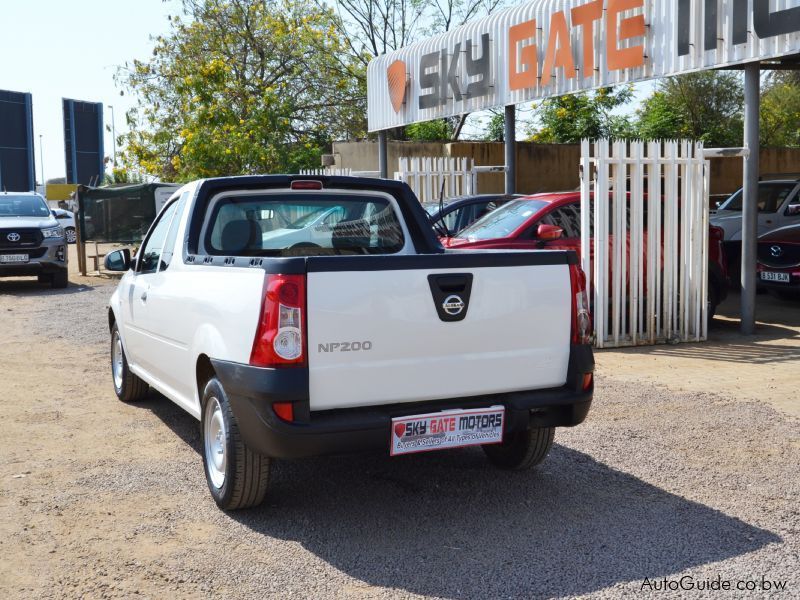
pixel 752 74
pixel 510 139
pixel 383 154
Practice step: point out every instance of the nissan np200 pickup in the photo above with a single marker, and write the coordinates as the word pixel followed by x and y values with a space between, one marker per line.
pixel 297 317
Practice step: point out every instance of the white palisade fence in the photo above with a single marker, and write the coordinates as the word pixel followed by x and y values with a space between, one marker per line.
pixel 340 171
pixel 644 245
pixel 432 176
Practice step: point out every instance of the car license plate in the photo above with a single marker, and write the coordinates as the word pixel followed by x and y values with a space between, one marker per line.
pixel 772 276
pixel 13 258
pixel 447 429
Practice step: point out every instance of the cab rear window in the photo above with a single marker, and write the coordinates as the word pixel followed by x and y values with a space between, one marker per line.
pixel 302 224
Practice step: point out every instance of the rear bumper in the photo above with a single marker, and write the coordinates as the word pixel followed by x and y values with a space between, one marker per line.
pixel 252 391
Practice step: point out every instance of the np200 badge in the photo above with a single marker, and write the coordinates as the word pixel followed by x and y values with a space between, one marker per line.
pixel 345 347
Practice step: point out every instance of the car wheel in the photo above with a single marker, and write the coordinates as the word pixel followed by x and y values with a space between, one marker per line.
pixel 70 234
pixel 237 477
pixel 783 294
pixel 128 387
pixel 59 279
pixel 521 450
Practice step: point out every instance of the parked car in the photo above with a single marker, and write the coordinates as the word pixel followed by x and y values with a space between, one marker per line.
pixel 778 266
pixel 454 214
pixel 778 206
pixel 553 220
pixel 67 221
pixel 376 338
pixel 31 240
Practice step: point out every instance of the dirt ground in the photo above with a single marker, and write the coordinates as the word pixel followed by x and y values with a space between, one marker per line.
pixel 687 466
pixel 764 367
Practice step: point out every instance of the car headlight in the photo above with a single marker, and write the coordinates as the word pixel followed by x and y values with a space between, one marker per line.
pixel 53 232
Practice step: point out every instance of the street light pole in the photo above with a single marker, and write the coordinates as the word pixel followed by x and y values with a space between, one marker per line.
pixel 41 164
pixel 113 136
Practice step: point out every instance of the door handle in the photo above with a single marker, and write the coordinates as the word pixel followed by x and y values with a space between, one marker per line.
pixel 144 296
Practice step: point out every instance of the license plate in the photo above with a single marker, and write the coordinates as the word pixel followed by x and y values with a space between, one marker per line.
pixel 772 276
pixel 447 429
pixel 13 258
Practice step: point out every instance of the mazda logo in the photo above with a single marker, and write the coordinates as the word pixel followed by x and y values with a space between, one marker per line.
pixel 453 305
pixel 776 251
pixel 13 237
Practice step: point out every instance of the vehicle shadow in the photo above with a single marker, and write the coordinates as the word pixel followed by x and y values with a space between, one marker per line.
pixel 448 525
pixel 33 288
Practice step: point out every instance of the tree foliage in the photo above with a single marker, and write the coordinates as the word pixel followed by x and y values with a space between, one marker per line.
pixel 430 131
pixel 568 119
pixel 495 129
pixel 242 86
pixel 780 110
pixel 704 106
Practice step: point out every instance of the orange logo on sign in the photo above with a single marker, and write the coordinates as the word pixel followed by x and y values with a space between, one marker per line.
pixel 396 75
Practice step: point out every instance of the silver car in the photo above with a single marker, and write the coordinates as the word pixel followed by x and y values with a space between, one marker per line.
pixel 778 206
pixel 31 240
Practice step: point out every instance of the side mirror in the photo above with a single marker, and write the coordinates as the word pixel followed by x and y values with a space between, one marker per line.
pixel 718 203
pixel 548 233
pixel 793 210
pixel 119 260
pixel 53 212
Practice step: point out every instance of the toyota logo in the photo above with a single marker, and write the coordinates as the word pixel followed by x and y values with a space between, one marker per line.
pixel 13 237
pixel 776 251
pixel 453 305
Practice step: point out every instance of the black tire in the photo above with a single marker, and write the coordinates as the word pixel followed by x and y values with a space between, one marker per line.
pixel 60 279
pixel 521 450
pixel 128 387
pixel 245 473
pixel 70 235
pixel 785 295
pixel 713 299
pixel 44 278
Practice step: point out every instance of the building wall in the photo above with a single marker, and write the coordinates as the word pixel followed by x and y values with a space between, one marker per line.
pixel 545 167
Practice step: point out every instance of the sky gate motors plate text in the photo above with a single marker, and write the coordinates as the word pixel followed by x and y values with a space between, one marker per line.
pixel 533 51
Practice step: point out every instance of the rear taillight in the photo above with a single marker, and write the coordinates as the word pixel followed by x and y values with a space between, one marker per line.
pixel 716 233
pixel 280 338
pixel 581 319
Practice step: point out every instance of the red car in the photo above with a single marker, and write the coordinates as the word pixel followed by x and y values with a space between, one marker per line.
pixel 778 264
pixel 553 221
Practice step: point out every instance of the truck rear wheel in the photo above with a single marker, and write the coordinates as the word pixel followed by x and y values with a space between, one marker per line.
pixel 521 450
pixel 128 387
pixel 237 477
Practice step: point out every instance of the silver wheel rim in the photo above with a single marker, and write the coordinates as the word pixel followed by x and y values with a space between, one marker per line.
pixel 214 442
pixel 71 237
pixel 116 360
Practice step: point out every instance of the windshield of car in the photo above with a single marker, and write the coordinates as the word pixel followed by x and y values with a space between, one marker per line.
pixel 23 206
pixel 503 221
pixel 770 197
pixel 303 224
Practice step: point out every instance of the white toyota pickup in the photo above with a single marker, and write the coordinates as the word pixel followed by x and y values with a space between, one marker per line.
pixel 297 317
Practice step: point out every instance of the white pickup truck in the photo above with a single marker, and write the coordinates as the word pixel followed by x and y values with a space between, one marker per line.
pixel 297 317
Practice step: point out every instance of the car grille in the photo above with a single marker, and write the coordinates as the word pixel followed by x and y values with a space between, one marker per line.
pixel 34 253
pixel 776 254
pixel 28 238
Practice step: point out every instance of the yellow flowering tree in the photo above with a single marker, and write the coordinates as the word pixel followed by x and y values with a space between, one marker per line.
pixel 242 87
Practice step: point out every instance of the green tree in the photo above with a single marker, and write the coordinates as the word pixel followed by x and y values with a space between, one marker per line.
pixel 495 129
pixel 780 110
pixel 242 86
pixel 568 119
pixel 430 131
pixel 704 106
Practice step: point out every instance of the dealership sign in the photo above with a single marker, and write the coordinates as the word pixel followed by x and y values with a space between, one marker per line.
pixel 547 48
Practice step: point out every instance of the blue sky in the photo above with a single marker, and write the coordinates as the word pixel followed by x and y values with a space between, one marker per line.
pixel 58 49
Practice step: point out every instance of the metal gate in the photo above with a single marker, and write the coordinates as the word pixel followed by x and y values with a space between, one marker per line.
pixel 644 243
pixel 433 176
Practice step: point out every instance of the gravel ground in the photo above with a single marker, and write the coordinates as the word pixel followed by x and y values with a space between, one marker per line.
pixel 100 499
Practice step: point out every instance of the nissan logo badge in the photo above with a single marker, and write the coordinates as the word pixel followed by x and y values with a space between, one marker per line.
pixel 13 237
pixel 776 251
pixel 453 305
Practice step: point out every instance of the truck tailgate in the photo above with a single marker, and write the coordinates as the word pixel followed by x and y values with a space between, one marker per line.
pixel 376 332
